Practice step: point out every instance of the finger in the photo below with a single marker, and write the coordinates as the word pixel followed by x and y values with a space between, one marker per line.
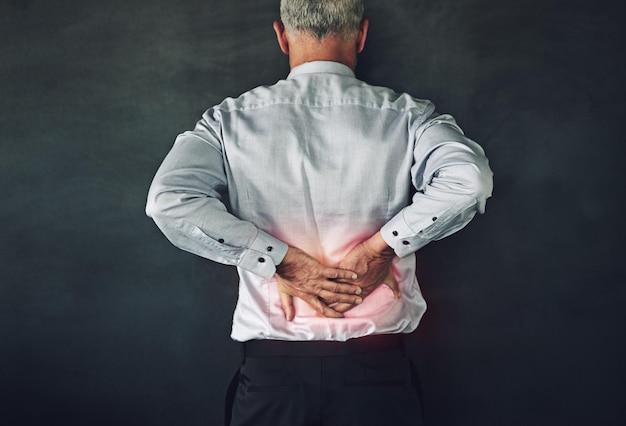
pixel 323 309
pixel 340 288
pixel 342 307
pixel 287 303
pixel 330 297
pixel 390 281
pixel 339 274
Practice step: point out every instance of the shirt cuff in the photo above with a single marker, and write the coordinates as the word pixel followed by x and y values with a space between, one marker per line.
pixel 401 238
pixel 264 254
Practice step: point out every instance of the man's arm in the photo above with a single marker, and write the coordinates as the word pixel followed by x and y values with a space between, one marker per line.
pixel 453 181
pixel 185 202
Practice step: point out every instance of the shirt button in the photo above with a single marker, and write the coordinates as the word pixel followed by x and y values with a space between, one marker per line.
pixel 395 233
pixel 270 248
pixel 261 260
pixel 434 218
pixel 221 241
pixel 406 243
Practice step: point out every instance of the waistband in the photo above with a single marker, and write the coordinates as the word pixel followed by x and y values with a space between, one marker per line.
pixel 317 348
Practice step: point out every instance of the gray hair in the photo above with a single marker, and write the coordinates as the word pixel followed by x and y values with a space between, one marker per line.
pixel 321 18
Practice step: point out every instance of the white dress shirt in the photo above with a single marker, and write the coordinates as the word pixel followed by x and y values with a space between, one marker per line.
pixel 320 161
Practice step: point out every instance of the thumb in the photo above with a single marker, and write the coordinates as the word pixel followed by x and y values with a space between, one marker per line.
pixel 390 281
pixel 287 302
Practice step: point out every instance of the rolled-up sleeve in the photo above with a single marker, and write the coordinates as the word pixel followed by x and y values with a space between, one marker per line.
pixel 185 201
pixel 452 179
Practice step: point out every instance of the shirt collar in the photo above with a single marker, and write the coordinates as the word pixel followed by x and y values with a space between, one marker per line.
pixel 321 67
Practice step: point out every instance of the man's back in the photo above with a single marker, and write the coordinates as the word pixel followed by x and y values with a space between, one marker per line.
pixel 325 161
pixel 321 161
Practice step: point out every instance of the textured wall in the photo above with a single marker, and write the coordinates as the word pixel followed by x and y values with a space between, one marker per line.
pixel 103 322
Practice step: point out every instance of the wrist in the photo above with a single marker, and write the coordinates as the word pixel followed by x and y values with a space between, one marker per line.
pixel 287 258
pixel 378 245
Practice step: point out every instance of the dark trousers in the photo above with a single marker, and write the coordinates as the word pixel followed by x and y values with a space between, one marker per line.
pixel 362 382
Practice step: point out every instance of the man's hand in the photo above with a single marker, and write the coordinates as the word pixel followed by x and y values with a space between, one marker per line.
pixel 299 275
pixel 371 260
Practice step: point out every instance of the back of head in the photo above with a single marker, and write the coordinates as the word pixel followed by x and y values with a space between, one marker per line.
pixel 321 18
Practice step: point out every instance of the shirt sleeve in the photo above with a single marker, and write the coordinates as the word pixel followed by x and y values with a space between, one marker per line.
pixel 452 179
pixel 185 201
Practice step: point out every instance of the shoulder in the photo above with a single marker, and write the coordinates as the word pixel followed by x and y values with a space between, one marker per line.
pixel 326 90
pixel 257 97
pixel 387 98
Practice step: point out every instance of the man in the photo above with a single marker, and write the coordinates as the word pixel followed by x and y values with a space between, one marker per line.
pixel 319 169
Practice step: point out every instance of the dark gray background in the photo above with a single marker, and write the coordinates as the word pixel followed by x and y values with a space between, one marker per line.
pixel 103 322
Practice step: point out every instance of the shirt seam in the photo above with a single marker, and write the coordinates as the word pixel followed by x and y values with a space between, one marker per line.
pixel 321 105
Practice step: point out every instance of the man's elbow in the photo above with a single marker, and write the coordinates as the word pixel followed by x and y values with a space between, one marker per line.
pixel 480 183
pixel 152 206
pixel 157 203
pixel 160 212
